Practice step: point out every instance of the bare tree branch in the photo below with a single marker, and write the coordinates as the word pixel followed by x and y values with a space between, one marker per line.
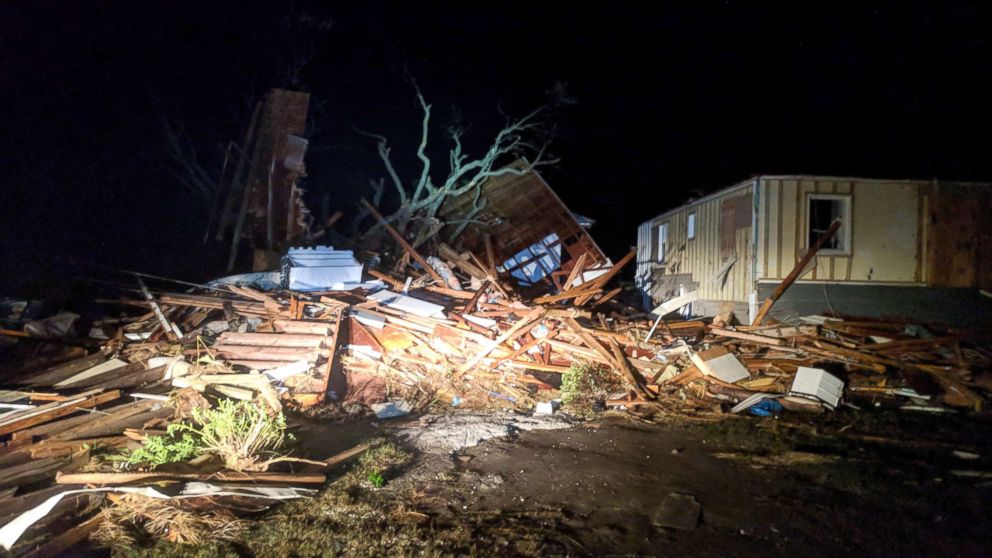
pixel 384 151
pixel 425 176
pixel 417 215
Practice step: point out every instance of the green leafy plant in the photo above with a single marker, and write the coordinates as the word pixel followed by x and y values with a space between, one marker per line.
pixel 175 446
pixel 376 480
pixel 242 433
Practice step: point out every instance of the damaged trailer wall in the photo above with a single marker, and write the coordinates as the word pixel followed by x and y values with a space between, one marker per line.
pixel 721 235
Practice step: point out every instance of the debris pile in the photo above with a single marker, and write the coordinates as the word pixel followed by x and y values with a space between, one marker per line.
pixel 191 387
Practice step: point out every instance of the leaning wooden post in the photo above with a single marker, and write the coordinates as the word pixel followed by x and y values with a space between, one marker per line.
pixel 402 242
pixel 794 274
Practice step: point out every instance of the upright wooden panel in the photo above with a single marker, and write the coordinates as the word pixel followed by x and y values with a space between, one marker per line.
pixel 959 236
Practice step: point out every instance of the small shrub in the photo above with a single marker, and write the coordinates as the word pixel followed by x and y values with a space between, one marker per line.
pixel 583 384
pixel 241 432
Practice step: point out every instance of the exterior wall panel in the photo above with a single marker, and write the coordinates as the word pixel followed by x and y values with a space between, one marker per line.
pixel 699 257
pixel 884 230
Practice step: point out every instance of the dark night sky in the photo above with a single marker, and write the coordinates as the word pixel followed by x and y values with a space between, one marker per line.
pixel 673 98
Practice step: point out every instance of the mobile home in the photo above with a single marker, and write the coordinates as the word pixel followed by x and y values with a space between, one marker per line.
pixel 906 248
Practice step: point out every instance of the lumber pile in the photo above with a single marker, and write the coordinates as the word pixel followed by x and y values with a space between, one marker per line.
pixel 408 338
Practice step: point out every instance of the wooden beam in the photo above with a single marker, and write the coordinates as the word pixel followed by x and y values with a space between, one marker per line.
pixel 795 273
pixel 576 270
pixel 471 304
pixel 604 278
pixel 45 413
pixel 509 335
pixel 223 476
pixel 754 338
pixel 628 371
pixel 590 341
pixel 402 242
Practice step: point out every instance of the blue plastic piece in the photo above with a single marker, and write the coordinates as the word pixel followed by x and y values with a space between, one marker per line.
pixel 766 408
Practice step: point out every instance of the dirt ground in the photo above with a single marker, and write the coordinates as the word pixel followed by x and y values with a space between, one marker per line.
pixel 608 481
pixel 851 483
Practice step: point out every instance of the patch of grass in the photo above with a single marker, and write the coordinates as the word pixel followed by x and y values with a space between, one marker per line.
pixel 134 518
pixel 376 465
pixel 349 518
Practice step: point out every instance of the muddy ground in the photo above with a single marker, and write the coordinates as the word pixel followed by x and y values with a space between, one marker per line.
pixel 851 483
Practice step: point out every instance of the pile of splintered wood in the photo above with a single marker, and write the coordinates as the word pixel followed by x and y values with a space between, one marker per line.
pixel 471 340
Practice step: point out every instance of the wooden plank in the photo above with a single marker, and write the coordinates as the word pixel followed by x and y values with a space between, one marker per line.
pixel 752 337
pixel 509 335
pixel 63 371
pixel 287 354
pixel 221 476
pixel 525 347
pixel 402 242
pixel 31 472
pixel 112 365
pixel 452 293
pixel 302 326
pixel 67 539
pixel 632 376
pixel 393 282
pixel 577 292
pixel 133 417
pixel 576 270
pixel 461 262
pixel 603 299
pixel 603 279
pixel 908 343
pixel 65 448
pixel 590 341
pixel 538 366
pixel 298 340
pixel 134 380
pixel 474 301
pixel 795 273
pixel 37 417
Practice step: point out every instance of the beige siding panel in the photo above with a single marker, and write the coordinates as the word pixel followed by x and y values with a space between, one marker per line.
pixel 774 229
pixel 790 218
pixel 762 232
pixel 885 235
pixel 643 271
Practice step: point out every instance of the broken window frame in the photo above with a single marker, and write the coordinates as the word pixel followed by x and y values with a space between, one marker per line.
pixel 545 255
pixel 843 235
pixel 690 225
pixel 662 239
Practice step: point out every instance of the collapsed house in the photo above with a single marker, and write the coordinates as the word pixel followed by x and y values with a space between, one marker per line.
pixel 912 249
pixel 528 231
